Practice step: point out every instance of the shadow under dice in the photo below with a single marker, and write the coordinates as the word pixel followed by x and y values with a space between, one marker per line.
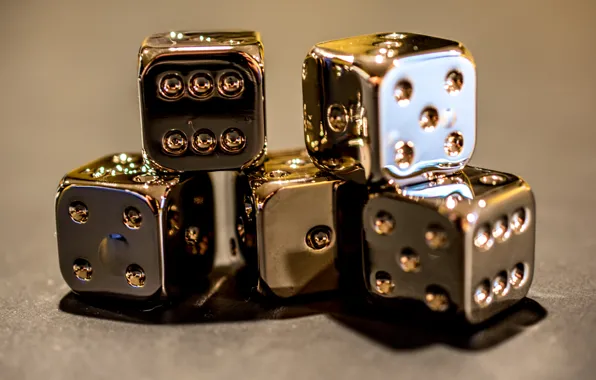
pixel 294 220
pixel 202 100
pixel 399 106
pixel 125 229
pixel 463 242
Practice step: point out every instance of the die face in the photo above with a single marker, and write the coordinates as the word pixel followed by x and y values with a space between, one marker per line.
pixel 434 130
pixel 337 112
pixel 499 242
pixel 144 233
pixel 202 100
pixel 189 234
pixel 350 114
pixel 412 250
pixel 293 251
pixel 482 266
pixel 105 243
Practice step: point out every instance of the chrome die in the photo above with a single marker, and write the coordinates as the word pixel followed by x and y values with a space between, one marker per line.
pixel 294 221
pixel 464 242
pixel 202 100
pixel 400 106
pixel 124 229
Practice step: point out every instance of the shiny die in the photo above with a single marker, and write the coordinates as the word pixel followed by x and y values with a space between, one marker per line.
pixel 399 106
pixel 127 230
pixel 202 100
pixel 293 220
pixel 464 242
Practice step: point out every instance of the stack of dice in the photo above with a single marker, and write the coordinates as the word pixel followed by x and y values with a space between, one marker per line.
pixel 381 202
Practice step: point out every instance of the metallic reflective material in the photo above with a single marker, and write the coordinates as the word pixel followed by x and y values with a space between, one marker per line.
pixel 171 86
pixel 132 218
pixel 403 92
pixel 501 285
pixel 454 82
pixel 519 221
pixel 79 213
pixel 337 117
pixel 483 239
pixel 230 84
pixel 460 229
pixel 501 231
pixel 201 85
pixel 135 276
pixel 204 142
pixel 519 276
pixel 409 261
pixel 174 143
pixel 383 283
pixel 436 237
pixel 82 269
pixel 437 299
pixel 319 237
pixel 492 179
pixel 404 154
pixel 222 78
pixel 396 93
pixel 384 223
pixel 233 141
pixel 454 144
pixel 297 226
pixel 483 294
pixel 429 119
pixel 138 214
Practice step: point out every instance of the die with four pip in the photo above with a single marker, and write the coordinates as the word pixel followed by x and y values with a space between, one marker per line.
pixel 381 197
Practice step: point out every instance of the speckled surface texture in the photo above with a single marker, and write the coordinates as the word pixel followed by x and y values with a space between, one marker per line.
pixel 69 96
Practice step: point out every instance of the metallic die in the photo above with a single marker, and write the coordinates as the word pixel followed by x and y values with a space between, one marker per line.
pixel 364 102
pixel 171 246
pixel 464 263
pixel 293 220
pixel 212 55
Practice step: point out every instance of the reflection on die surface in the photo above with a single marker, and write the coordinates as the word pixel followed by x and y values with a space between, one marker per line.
pixel 397 105
pixel 293 220
pixel 126 229
pixel 465 241
pixel 202 100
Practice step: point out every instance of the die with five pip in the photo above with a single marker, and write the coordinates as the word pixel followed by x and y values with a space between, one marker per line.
pixel 463 242
pixel 398 106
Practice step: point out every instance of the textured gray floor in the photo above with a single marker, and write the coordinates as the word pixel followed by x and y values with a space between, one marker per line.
pixel 68 95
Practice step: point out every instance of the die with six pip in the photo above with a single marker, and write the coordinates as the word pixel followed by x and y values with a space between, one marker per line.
pixel 202 100
pixel 125 229
pixel 464 242
pixel 398 106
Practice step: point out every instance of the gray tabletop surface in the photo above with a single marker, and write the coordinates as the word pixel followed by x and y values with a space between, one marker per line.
pixel 67 73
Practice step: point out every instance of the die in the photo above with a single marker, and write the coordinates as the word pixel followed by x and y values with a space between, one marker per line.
pixel 398 106
pixel 293 220
pixel 463 242
pixel 127 230
pixel 202 100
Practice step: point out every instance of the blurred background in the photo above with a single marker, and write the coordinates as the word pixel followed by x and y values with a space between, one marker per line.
pixel 69 95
